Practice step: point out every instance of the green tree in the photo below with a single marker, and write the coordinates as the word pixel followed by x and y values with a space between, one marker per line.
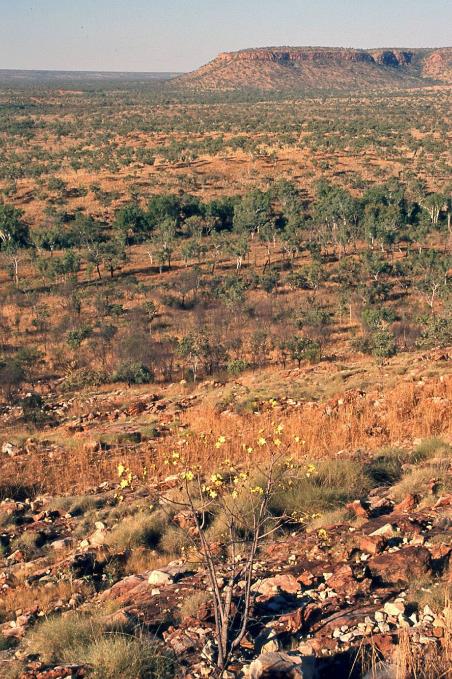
pixel 14 236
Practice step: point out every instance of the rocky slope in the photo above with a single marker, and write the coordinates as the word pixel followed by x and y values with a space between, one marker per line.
pixel 320 68
pixel 319 596
pixel 367 580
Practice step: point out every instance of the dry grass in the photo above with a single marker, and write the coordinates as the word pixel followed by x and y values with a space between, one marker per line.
pixel 403 413
pixel 40 597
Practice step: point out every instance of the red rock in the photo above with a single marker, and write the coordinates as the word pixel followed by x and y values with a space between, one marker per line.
pixel 444 501
pixel 400 567
pixel 372 544
pixel 385 643
pixel 344 582
pixel 407 504
pixel 357 507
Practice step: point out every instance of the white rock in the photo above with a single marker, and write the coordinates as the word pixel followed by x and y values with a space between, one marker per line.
pixel 394 608
pixel 159 578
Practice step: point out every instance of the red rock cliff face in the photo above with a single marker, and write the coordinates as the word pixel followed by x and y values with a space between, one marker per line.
pixel 393 58
pixel 282 55
pixel 439 65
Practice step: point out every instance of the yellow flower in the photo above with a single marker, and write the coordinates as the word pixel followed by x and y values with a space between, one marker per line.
pixel 188 476
pixel 279 429
pixel 322 534
pixel 213 494
pixel 121 469
pixel 261 441
pixel 310 470
pixel 249 450
pixel 234 494
pixel 257 490
pixel 124 483
pixel 277 442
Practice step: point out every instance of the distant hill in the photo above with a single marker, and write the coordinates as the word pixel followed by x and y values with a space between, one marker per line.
pixel 324 68
pixel 13 77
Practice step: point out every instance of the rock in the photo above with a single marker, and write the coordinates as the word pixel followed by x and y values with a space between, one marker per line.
pixel 344 582
pixel 357 508
pixel 401 567
pixel 270 586
pixel 407 504
pixel 58 545
pixel 444 501
pixel 371 544
pixel 10 449
pixel 276 666
pixel 386 531
pixel 394 608
pixel 99 538
pixel 160 578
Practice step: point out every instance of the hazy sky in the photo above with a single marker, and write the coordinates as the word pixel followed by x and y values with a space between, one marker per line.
pixel 179 35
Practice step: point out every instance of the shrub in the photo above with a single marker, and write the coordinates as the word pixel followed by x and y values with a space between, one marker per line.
pixel 237 366
pixel 437 332
pixel 133 373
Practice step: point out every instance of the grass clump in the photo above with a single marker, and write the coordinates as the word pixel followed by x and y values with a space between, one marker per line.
pixel 128 658
pixel 431 592
pixel 140 530
pixel 192 604
pixel 330 486
pixel 429 448
pixel 174 540
pixel 61 638
pixel 386 468
pixel 77 505
pixel 77 638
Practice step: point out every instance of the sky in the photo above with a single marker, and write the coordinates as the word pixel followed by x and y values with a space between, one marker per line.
pixel 180 35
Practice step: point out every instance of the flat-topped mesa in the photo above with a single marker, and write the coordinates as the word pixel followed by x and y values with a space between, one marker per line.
pixel 321 68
